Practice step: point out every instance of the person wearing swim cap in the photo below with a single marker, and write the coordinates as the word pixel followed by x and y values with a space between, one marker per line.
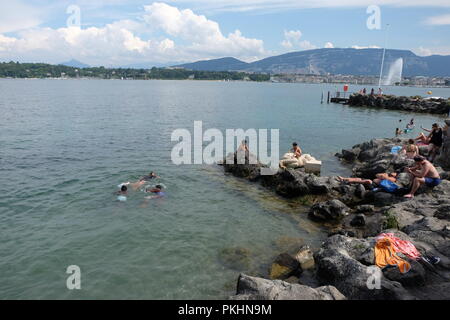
pixel 422 173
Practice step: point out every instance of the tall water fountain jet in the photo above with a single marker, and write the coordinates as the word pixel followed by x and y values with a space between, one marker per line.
pixel 395 73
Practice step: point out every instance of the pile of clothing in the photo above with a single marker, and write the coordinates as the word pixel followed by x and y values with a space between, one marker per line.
pixel 388 245
pixel 386 248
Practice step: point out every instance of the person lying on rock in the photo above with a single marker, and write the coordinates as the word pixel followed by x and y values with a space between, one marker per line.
pixel 379 177
pixel 422 173
pixel 296 150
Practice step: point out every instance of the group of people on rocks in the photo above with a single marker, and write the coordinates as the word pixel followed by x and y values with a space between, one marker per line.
pixel 434 139
pixel 372 92
pixel 423 172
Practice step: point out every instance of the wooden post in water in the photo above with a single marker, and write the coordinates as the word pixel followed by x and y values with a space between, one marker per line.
pixel 328 99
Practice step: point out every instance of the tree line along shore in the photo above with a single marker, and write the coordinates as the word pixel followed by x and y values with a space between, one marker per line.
pixel 43 70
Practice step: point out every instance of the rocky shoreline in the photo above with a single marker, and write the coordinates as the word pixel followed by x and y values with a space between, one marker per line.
pixel 410 104
pixel 356 214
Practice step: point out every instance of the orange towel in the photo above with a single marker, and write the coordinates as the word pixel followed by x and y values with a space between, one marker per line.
pixel 385 255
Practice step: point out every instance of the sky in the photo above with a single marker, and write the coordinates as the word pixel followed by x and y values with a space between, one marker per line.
pixel 129 32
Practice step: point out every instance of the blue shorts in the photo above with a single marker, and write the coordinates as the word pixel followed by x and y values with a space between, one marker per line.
pixel 432 182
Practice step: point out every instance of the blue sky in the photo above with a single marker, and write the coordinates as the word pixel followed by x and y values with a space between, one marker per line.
pixel 121 32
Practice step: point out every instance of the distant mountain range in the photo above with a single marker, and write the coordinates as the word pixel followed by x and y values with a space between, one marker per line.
pixel 75 64
pixel 346 61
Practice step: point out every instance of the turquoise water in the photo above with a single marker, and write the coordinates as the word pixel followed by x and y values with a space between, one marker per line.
pixel 66 145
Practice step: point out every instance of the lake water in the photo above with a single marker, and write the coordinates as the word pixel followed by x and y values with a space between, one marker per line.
pixel 66 145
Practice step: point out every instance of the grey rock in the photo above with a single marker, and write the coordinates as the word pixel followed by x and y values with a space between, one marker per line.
pixel 383 199
pixel 305 258
pixel 330 210
pixel 285 266
pixel 252 288
pixel 360 191
pixel 443 213
pixel 358 221
pixel 350 155
pixel 414 277
pixel 365 208
pixel 337 266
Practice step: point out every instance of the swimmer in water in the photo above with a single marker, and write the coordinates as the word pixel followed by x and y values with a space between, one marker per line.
pixel 149 177
pixel 123 191
pixel 157 192
pixel 142 181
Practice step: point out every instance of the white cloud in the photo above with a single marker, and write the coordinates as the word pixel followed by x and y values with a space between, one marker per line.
pixel 99 46
pixel 292 41
pixel 328 45
pixel 439 20
pixel 421 51
pixel 203 34
pixel 366 47
pixel 117 43
pixel 306 45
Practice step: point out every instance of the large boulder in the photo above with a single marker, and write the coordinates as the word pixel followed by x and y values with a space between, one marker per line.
pixel 252 288
pixel 337 265
pixel 414 277
pixel 332 210
pixel 351 155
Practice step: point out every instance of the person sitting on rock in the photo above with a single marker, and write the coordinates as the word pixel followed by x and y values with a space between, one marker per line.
pixel 422 173
pixel 436 141
pixel 242 154
pixel 427 139
pixel 410 149
pixel 296 150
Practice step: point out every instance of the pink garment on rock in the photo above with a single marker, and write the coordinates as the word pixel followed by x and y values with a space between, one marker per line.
pixel 402 246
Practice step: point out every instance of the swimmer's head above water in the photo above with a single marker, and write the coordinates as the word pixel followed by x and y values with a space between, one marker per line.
pixel 150 176
pixel 158 188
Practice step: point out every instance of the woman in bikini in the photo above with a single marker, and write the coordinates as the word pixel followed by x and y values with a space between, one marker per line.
pixel 411 149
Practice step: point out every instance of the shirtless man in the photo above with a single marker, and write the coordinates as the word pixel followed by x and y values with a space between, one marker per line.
pixel 296 150
pixel 423 173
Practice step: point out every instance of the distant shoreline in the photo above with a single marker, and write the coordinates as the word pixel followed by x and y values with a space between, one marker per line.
pixel 214 80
